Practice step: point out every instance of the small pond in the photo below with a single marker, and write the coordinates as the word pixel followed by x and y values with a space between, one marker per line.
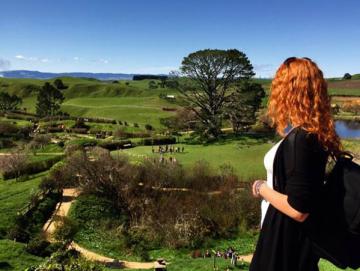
pixel 348 129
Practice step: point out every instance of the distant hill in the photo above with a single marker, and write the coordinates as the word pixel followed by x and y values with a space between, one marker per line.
pixel 49 75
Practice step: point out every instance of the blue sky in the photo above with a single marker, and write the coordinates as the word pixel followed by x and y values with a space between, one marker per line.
pixel 146 36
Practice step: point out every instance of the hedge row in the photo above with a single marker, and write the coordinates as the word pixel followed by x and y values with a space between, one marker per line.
pixel 116 145
pixel 158 141
pixel 20 117
pixel 86 119
pixel 32 168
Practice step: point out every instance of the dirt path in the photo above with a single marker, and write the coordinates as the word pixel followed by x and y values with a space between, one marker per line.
pixel 62 210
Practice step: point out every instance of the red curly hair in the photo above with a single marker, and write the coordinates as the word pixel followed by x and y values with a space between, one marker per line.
pixel 299 97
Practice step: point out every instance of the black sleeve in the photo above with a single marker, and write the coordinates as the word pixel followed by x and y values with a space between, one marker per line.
pixel 302 181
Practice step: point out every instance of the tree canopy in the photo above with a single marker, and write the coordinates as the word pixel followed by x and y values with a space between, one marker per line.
pixel 9 102
pixel 213 73
pixel 49 100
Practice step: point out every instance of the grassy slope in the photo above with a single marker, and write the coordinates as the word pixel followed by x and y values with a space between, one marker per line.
pixel 131 101
pixel 15 195
pixel 247 160
pixel 134 102
pixel 14 257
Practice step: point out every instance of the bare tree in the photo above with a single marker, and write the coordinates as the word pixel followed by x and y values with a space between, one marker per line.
pixel 13 162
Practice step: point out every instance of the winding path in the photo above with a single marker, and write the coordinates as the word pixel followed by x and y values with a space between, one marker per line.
pixel 62 210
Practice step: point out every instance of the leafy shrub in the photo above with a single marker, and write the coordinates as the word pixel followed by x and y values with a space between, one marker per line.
pixel 148 127
pixel 136 125
pixel 66 229
pixel 18 233
pixel 38 246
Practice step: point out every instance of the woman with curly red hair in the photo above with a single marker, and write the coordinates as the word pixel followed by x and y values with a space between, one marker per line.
pixel 295 167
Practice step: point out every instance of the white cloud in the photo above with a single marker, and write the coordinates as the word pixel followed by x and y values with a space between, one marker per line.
pixel 32 58
pixel 76 58
pixel 105 61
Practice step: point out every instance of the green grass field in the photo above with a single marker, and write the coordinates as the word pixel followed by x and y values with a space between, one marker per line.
pixel 142 110
pixel 130 101
pixel 245 158
pixel 14 196
pixel 14 257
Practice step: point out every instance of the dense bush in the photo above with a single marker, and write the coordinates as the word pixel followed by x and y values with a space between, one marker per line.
pixel 65 230
pixel 148 127
pixel 210 206
pixel 18 233
pixel 80 123
pixel 115 145
pixel 38 246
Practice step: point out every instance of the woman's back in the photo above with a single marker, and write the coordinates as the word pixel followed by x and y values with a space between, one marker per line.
pixel 299 165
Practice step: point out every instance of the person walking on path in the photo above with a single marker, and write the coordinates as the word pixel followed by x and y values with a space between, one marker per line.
pixel 295 167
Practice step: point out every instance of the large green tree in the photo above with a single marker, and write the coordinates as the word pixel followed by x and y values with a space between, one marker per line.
pixel 242 105
pixel 212 74
pixel 49 100
pixel 58 83
pixel 9 102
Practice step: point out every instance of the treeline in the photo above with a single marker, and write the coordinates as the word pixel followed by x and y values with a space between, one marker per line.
pixel 139 77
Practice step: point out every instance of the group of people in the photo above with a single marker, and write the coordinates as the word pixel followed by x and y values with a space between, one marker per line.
pixel 230 253
pixel 167 148
pixel 163 160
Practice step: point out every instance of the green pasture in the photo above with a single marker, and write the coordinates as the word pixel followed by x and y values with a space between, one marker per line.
pixel 142 110
pixel 15 195
pixel 344 92
pixel 245 156
pixel 14 257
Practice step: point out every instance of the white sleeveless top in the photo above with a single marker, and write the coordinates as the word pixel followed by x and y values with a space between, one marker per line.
pixel 268 163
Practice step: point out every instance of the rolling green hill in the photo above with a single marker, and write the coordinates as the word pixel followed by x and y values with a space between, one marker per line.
pixel 131 101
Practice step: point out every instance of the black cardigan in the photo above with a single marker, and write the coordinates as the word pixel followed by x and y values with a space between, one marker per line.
pixel 298 171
